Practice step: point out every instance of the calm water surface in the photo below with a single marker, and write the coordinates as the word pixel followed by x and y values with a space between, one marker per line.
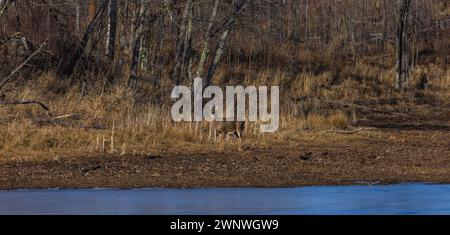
pixel 377 199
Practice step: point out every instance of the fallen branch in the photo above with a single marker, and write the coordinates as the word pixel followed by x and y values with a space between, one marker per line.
pixel 349 132
pixel 59 120
pixel 18 102
pixel 8 78
pixel 75 116
pixel 62 123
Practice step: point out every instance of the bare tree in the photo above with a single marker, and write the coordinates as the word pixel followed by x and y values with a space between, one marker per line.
pixel 188 51
pixel 137 42
pixel 228 28
pixel 68 68
pixel 144 23
pixel 206 41
pixel 145 44
pixel 402 53
pixel 4 5
pixel 112 29
pixel 181 48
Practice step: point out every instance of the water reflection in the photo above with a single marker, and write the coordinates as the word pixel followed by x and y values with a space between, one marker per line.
pixel 392 199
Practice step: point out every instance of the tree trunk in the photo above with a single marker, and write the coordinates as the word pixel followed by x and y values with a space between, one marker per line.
pixel 306 20
pixel 385 25
pixel 402 55
pixel 217 56
pixel 228 29
pixel 4 5
pixel 205 51
pixel 144 47
pixel 137 43
pixel 68 68
pixel 187 51
pixel 181 46
pixel 91 15
pixel 112 29
pixel 77 17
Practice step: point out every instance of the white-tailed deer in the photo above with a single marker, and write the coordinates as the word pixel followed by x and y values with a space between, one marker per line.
pixel 224 128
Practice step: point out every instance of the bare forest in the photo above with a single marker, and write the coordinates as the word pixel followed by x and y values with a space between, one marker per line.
pixel 365 84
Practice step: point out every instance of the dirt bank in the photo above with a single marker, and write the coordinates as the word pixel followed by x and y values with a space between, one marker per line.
pixel 378 156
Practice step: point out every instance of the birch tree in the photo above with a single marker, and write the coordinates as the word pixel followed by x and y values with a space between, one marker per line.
pixel 228 28
pixel 206 41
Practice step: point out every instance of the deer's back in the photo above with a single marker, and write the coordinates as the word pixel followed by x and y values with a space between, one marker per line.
pixel 227 126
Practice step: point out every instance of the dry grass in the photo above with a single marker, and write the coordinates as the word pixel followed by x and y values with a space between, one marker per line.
pixel 130 125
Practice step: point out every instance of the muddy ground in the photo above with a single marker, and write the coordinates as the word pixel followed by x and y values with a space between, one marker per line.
pixel 397 149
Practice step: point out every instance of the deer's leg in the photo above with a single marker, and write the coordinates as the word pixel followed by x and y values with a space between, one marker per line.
pixel 222 142
pixel 239 134
pixel 210 132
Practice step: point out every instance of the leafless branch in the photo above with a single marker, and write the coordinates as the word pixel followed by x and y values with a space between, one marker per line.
pixel 8 78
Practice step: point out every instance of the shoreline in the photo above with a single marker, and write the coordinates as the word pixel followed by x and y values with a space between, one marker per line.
pixel 391 158
pixel 232 188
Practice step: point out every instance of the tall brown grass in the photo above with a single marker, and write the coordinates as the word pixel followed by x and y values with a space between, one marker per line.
pixel 115 119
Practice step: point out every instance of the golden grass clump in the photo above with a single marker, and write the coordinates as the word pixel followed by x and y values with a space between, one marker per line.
pixel 316 122
pixel 338 120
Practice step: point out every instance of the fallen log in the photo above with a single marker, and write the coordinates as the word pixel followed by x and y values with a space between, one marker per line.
pixel 66 123
pixel 23 102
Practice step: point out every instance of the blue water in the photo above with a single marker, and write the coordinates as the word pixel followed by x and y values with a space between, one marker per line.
pixel 324 200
